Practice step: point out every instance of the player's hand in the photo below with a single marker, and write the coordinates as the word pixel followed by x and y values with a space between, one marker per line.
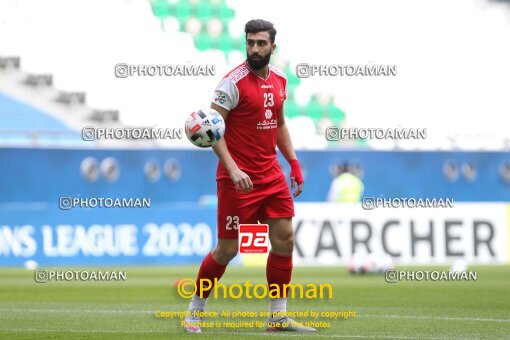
pixel 241 180
pixel 296 177
pixel 298 188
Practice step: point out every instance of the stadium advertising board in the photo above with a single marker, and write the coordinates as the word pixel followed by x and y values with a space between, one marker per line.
pixel 326 234
pixel 475 232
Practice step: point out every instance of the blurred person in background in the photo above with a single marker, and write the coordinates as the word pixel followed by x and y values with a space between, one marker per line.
pixel 347 187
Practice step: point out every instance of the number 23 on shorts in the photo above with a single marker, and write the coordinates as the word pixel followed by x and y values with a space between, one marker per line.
pixel 232 222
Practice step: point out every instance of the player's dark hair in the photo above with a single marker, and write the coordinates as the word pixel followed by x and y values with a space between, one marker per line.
pixel 259 25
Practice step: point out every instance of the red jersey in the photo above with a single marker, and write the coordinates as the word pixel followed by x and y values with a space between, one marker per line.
pixel 254 105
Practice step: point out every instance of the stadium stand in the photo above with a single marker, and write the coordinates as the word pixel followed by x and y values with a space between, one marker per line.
pixel 211 24
pixel 72 61
pixel 21 122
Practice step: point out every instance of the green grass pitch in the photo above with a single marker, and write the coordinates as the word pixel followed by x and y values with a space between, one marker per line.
pixel 126 310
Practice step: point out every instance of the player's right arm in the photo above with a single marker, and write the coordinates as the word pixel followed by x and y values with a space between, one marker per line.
pixel 241 180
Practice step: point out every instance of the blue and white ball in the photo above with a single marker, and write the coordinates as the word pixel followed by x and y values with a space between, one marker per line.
pixel 373 263
pixel 205 127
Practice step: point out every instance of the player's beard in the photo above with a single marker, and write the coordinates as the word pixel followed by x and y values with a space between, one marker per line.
pixel 257 64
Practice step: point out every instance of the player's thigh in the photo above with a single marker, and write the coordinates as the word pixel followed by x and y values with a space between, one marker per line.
pixel 278 212
pixel 278 202
pixel 235 208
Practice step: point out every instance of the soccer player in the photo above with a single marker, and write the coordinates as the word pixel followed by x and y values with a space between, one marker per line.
pixel 251 184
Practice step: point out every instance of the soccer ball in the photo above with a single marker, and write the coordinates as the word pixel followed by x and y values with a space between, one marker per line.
pixel 205 127
pixel 374 263
pixel 356 263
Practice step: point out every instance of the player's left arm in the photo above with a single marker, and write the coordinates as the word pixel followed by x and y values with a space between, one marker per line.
pixel 284 144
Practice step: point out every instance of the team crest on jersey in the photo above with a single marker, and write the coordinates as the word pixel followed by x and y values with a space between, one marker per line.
pixel 269 114
pixel 220 98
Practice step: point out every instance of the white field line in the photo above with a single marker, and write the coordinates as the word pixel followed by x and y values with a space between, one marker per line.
pixel 179 331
